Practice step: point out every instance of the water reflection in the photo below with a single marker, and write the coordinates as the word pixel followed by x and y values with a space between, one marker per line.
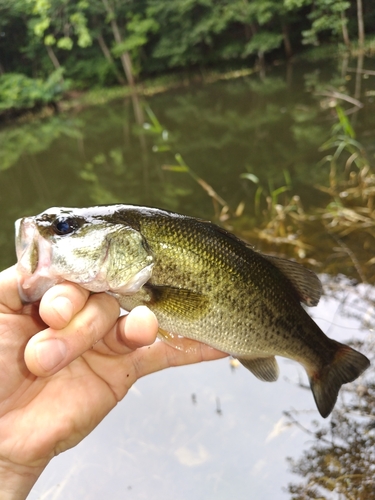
pixel 208 431
pixel 340 456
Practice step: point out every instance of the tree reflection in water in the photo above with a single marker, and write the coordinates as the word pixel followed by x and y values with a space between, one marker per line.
pixel 340 460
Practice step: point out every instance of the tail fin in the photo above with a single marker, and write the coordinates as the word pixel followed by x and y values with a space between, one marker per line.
pixel 346 366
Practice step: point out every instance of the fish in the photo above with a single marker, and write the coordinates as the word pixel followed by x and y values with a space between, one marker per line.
pixel 201 281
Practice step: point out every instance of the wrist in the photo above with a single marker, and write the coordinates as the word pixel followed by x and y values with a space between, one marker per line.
pixel 16 481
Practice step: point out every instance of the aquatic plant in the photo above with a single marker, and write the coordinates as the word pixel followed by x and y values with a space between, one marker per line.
pixel 277 218
pixel 347 218
pixel 351 182
pixel 162 144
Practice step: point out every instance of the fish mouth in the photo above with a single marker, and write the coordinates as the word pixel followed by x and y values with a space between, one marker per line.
pixel 34 255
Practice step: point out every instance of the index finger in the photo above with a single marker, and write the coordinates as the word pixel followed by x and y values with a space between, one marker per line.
pixel 61 303
pixel 51 350
pixel 9 298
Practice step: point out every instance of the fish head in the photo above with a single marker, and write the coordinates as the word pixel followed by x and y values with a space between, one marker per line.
pixel 64 244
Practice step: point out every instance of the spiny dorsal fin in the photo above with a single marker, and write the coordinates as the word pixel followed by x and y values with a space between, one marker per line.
pixel 178 301
pixel 306 282
pixel 265 369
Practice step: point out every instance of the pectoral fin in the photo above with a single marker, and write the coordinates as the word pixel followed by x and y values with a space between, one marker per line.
pixel 178 301
pixel 265 369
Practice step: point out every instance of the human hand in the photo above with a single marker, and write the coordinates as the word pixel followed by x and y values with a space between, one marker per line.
pixel 64 364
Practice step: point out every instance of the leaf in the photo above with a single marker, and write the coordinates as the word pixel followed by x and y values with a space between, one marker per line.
pixel 176 168
pixel 49 40
pixel 344 122
pixel 250 177
pixel 158 149
pixel 240 209
pixel 156 127
pixel 65 43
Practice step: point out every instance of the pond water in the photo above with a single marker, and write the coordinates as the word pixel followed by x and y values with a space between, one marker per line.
pixel 205 431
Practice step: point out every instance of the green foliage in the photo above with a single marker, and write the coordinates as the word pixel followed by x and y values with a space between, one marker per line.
pixel 138 31
pixel 63 19
pixel 263 42
pixel 90 73
pixel 142 38
pixel 343 140
pixel 18 91
pixel 65 43
pixel 137 34
pixel 327 17
pixel 79 22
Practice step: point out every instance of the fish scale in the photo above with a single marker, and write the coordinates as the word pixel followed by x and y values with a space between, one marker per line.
pixel 201 281
pixel 231 300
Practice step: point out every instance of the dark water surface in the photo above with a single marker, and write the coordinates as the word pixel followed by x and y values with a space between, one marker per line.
pixel 206 431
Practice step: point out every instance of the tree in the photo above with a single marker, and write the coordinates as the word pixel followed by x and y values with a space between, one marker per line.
pixel 56 23
pixel 268 26
pixel 327 16
pixel 124 54
pixel 13 33
pixel 361 26
pixel 134 39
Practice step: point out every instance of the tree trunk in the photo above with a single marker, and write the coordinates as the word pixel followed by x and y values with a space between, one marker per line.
pixel 359 76
pixel 128 67
pixel 107 54
pixel 53 57
pixel 125 56
pixel 289 73
pixel 138 111
pixel 286 39
pixel 358 86
pixel 344 27
pixel 345 64
pixel 248 33
pixel 262 64
pixel 361 26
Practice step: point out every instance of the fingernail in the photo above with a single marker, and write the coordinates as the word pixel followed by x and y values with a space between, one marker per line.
pixel 49 353
pixel 63 307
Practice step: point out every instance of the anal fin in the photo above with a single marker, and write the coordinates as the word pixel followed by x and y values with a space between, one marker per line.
pixel 265 369
pixel 171 339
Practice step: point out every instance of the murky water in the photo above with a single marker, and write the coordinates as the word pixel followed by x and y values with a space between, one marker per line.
pixel 205 431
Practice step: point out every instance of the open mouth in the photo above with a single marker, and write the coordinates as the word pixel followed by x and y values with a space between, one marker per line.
pixel 34 261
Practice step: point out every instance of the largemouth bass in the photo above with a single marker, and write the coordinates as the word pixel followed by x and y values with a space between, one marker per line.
pixel 201 281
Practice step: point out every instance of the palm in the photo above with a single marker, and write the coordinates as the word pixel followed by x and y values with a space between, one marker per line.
pixel 40 417
pixel 43 416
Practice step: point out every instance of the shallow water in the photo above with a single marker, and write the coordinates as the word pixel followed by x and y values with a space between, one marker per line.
pixel 232 441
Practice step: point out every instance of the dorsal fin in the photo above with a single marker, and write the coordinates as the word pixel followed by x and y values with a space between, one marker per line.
pixel 306 282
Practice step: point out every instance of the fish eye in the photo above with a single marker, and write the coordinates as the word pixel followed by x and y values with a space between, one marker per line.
pixel 65 225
